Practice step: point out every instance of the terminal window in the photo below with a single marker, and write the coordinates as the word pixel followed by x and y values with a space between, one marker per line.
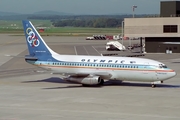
pixel 170 28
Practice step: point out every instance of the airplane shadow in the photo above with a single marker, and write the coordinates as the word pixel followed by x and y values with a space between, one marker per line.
pixel 50 80
pixel 168 86
pixel 73 86
pixel 106 84
pixel 61 81
pixel 131 84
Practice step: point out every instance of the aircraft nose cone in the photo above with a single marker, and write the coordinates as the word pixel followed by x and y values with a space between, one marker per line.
pixel 172 74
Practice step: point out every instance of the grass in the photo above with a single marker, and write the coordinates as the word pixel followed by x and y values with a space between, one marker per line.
pixel 16 27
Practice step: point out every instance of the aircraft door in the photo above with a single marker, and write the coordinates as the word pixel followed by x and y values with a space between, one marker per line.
pixel 156 76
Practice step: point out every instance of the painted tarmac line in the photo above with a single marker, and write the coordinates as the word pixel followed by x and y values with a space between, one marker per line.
pixel 86 50
pixel 96 50
pixel 75 50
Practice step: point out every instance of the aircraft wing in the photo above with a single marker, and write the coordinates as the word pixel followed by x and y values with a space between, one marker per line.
pixel 103 75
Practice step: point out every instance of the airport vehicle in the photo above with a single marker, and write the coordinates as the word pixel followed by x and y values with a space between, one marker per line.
pixel 92 70
pixel 130 47
pixel 97 37
pixel 115 45
pixel 89 38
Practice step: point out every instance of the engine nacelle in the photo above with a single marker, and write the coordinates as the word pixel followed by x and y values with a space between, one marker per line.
pixel 90 80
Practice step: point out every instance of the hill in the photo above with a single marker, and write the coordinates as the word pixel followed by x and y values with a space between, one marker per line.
pixel 8 13
pixel 49 12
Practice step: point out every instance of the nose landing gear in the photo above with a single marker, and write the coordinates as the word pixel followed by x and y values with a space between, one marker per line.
pixel 153 84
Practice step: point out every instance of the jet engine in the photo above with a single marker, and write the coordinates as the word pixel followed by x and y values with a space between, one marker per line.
pixel 90 80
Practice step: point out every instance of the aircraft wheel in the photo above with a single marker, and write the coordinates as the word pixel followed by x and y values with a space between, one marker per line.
pixel 84 85
pixel 102 82
pixel 153 86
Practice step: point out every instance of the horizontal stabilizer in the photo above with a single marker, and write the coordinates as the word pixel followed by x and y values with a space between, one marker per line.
pixel 27 57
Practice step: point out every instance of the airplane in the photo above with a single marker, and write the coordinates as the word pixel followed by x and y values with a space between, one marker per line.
pixel 92 70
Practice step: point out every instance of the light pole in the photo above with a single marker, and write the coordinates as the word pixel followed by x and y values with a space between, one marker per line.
pixel 133 9
pixel 122 31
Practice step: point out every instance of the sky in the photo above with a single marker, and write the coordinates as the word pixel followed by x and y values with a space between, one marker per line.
pixel 95 7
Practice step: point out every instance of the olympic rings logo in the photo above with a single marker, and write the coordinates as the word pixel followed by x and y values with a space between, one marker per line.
pixel 32 39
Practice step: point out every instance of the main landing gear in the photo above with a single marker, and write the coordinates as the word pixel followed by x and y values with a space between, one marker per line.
pixel 102 82
pixel 153 85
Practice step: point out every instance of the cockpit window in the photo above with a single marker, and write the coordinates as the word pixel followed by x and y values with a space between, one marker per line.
pixel 162 66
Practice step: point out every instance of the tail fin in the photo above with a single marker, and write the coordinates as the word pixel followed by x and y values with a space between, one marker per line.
pixel 35 43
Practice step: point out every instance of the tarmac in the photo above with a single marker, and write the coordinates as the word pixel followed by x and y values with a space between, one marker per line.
pixel 29 95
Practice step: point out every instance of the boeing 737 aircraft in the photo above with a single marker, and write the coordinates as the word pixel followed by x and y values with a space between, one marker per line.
pixel 93 70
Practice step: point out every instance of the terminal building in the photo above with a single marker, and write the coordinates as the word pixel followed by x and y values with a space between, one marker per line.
pixel 161 33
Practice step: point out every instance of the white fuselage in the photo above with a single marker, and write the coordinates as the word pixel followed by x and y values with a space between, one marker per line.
pixel 120 68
